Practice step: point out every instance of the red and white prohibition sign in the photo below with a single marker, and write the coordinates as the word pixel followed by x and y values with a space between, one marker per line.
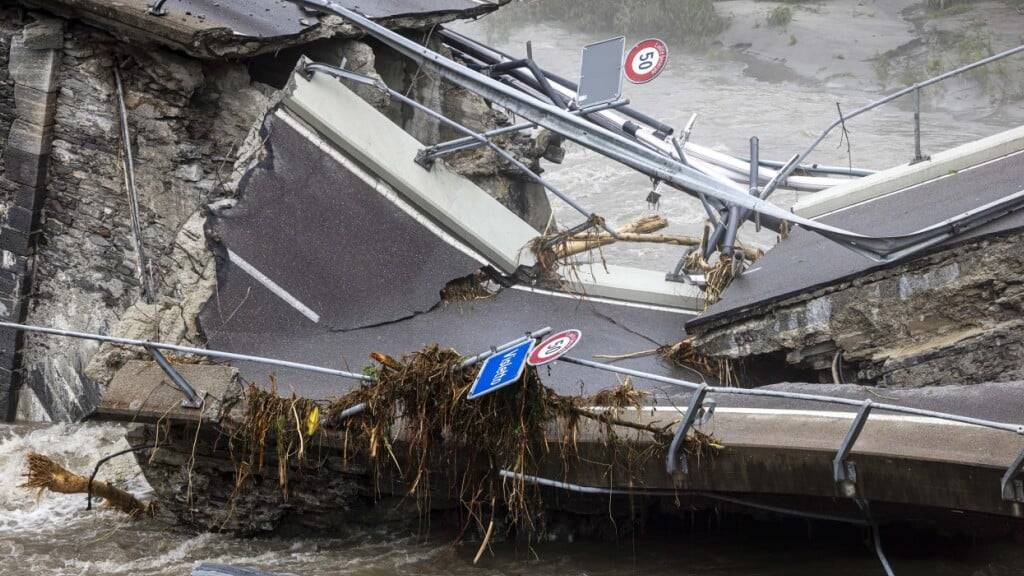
pixel 553 347
pixel 646 60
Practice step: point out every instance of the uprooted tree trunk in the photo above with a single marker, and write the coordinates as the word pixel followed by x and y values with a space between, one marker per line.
pixel 45 474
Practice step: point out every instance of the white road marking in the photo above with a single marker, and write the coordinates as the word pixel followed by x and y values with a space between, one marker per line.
pixel 273 286
pixel 909 418
pixel 605 300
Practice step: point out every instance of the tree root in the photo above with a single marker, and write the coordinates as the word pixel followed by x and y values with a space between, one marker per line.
pixel 45 474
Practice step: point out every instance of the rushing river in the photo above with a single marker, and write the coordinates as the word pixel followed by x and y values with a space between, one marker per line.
pixel 54 535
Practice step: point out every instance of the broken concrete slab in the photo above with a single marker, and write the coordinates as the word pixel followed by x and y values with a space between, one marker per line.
pixel 469 327
pixel 805 261
pixel 317 244
pixel 950 316
pixel 141 390
pixel 364 133
pixel 217 29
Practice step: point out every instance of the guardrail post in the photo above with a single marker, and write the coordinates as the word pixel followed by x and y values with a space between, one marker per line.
pixel 672 463
pixel 157 8
pixel 192 399
pixel 1012 486
pixel 918 157
pixel 845 473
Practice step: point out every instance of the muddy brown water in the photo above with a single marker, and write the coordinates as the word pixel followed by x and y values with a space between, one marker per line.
pixel 54 535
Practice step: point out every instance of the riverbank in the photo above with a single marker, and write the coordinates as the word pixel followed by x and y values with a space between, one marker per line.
pixel 882 46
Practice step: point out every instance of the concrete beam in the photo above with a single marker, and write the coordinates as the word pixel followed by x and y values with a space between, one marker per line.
pixel 901 177
pixel 33 66
pixel 36 69
pixel 459 205
pixel 629 284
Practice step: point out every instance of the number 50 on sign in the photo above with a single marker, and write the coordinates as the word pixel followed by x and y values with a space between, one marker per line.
pixel 646 60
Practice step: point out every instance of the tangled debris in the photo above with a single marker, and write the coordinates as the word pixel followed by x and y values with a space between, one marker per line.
pixel 420 436
pixel 476 286
pixel 289 423
pixel 721 370
pixel 721 273
pixel 45 474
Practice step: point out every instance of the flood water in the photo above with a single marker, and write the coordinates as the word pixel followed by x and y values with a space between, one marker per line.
pixel 54 535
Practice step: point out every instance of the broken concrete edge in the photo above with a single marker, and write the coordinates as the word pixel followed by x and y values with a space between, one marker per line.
pixel 703 323
pixel 899 178
pixel 475 217
pixel 190 34
pixel 949 318
pixel 140 392
pixel 361 131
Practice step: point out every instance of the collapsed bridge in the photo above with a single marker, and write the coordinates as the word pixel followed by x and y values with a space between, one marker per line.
pixel 353 230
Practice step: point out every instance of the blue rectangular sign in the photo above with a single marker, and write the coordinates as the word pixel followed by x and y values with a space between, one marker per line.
pixel 501 370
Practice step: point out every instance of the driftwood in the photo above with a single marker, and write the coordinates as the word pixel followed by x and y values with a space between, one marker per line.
pixel 639 231
pixel 45 474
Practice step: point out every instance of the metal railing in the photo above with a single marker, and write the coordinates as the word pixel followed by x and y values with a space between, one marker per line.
pixel 1012 487
pixel 699 409
pixel 915 90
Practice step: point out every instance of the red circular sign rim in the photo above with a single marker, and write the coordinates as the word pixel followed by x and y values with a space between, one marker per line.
pixel 663 53
pixel 531 359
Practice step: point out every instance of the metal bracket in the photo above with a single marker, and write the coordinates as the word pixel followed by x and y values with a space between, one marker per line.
pixel 845 473
pixel 157 8
pixel 1012 484
pixel 428 155
pixel 193 399
pixel 707 411
pixel 681 276
pixel 674 464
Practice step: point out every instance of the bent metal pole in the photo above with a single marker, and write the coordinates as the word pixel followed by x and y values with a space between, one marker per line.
pixel 651 163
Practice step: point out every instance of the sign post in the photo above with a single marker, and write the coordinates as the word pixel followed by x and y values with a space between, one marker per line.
pixel 646 60
pixel 501 370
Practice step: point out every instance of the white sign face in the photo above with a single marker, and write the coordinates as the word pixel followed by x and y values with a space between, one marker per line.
pixel 646 60
pixel 554 347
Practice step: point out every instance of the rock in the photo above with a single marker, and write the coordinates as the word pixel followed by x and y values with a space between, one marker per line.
pixel 189 172
pixel 44 34
pixel 172 317
pixel 952 317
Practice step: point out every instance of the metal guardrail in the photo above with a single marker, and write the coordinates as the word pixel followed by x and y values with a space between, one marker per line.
pixel 1012 487
pixel 194 399
pixel 915 90
pixel 700 408
pixel 844 473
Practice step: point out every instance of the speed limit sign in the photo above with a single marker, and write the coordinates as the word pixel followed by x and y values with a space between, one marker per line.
pixel 646 60
pixel 553 347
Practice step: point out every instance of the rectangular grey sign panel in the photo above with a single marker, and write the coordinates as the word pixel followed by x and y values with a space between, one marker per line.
pixel 601 72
